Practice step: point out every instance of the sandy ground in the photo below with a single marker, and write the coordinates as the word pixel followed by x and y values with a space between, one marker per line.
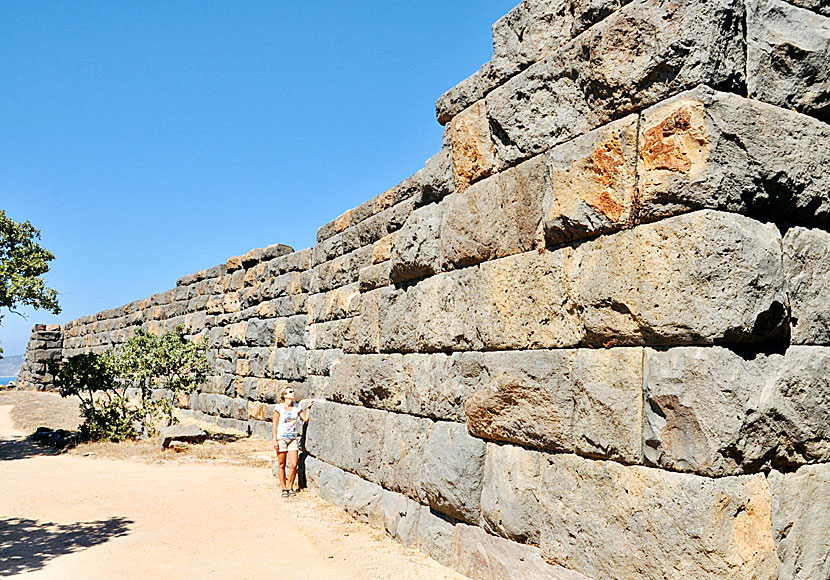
pixel 92 514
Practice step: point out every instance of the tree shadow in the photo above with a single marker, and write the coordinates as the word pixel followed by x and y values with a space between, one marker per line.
pixel 27 545
pixel 12 448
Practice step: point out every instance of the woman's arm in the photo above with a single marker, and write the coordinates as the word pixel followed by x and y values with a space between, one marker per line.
pixel 304 415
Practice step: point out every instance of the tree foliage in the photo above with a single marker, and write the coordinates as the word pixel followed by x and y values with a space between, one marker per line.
pixel 22 263
pixel 157 368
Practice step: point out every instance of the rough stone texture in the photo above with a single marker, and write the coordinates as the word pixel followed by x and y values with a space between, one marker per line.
pixel 807 270
pixel 705 149
pixel 594 521
pixel 526 34
pixel 183 433
pixel 641 54
pixel 453 468
pixel 714 412
pixel 473 153
pixel 435 536
pixel 787 53
pixel 403 446
pixel 800 503
pixel 362 499
pixel 592 183
pixel 820 6
pixel 482 556
pixel 702 278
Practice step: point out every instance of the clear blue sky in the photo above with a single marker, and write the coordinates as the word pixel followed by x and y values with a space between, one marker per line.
pixel 148 140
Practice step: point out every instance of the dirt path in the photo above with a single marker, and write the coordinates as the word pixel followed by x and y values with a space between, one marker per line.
pixel 68 516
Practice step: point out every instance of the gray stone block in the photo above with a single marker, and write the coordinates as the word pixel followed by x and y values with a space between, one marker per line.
pixel 711 411
pixel 615 68
pixel 705 149
pixel 400 517
pixel 607 520
pixel 800 504
pixel 404 445
pixel 332 484
pixel 787 53
pixel 362 500
pixel 453 470
pixel 436 536
pixel 807 271
pixel 482 556
pixel 183 433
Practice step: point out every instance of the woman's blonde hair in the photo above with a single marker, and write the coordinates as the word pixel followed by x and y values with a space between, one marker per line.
pixel 282 392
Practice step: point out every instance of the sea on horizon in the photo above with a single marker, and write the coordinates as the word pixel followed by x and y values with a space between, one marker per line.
pixel 6 380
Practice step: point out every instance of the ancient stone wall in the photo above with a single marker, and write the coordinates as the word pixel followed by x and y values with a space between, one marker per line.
pixel 590 339
pixel 45 346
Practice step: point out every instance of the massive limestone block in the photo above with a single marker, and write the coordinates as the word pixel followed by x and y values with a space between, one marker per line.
pixel 362 500
pixel 700 278
pixel 787 53
pixel 453 469
pixel 820 6
pixel 639 55
pixel 417 249
pixel 593 181
pixel 807 269
pixel 401 517
pixel 800 504
pixel 526 34
pixel 706 149
pixel 483 556
pixel 436 536
pixel 347 437
pixel 473 153
pixel 403 449
pixel 606 520
pixel 714 412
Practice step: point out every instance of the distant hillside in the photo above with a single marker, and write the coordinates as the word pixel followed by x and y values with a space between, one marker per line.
pixel 10 365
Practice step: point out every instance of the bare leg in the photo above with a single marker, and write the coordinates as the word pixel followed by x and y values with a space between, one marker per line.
pixel 292 467
pixel 281 468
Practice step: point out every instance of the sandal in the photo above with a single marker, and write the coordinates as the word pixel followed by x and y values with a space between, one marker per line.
pixel 291 493
pixel 286 493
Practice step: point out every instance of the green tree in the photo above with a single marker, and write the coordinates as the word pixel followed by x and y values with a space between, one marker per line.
pixel 22 263
pixel 169 361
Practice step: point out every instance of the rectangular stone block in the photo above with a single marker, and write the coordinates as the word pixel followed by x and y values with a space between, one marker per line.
pixel 807 271
pixel 453 470
pixel 477 554
pixel 287 363
pixel 404 444
pixel 375 276
pixel 715 412
pixel 640 54
pixel 607 520
pixel 705 149
pixel 800 522
pixel 362 500
pixel 400 517
pixel 332 305
pixel 787 53
pixel 435 536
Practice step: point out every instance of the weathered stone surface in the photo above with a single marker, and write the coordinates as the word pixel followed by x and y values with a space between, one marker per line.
pixel 606 520
pixel 375 276
pixel 701 278
pixel 787 53
pixel 435 536
pixel 332 484
pixel 183 433
pixel 480 555
pixel 348 437
pixel 800 504
pixel 711 411
pixel 496 217
pixel 403 446
pixel 820 6
pixel 453 469
pixel 401 517
pixel 417 249
pixel 527 33
pixel 473 153
pixel 640 54
pixel 362 499
pixel 593 182
pixel 807 270
pixel 705 149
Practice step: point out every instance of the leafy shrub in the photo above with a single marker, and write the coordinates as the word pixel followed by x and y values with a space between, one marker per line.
pixel 146 362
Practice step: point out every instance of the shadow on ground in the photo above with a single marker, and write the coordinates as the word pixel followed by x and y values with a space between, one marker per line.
pixel 27 545
pixel 22 448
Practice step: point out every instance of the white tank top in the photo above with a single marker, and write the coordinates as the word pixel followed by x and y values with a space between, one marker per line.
pixel 289 425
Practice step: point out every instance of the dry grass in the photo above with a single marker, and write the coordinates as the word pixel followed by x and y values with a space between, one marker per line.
pixel 37 409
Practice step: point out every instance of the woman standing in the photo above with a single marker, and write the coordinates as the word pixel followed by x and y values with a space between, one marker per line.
pixel 286 430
